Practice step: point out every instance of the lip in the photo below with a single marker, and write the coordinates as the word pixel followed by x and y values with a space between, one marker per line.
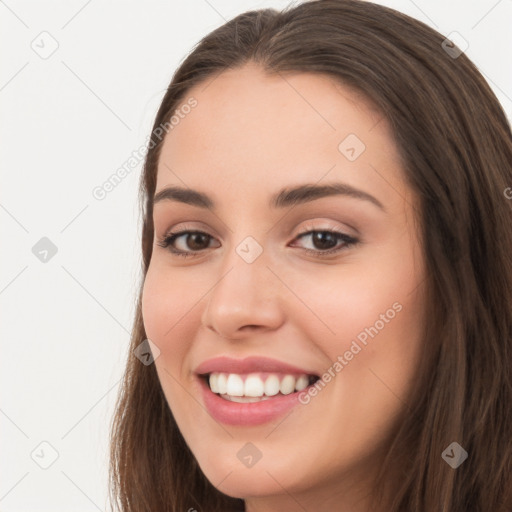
pixel 251 364
pixel 246 414
pixel 253 413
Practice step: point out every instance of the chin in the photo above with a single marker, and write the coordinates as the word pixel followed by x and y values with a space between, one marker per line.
pixel 238 481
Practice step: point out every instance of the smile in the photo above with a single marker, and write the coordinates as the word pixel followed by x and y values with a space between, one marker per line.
pixel 255 387
pixel 251 391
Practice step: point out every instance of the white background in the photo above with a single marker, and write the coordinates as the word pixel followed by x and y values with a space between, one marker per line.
pixel 67 123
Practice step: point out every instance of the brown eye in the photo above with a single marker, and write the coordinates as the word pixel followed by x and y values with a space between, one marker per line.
pixel 323 240
pixel 326 242
pixel 191 242
pixel 197 241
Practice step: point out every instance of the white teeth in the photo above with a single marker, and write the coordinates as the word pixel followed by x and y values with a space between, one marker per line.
pixel 252 387
pixel 221 383
pixel 287 385
pixel 235 385
pixel 302 383
pixel 272 385
pixel 214 377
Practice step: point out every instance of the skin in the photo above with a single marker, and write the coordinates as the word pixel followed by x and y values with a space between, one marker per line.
pixel 250 135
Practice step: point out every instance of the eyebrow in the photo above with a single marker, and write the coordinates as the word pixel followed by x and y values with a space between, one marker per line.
pixel 284 198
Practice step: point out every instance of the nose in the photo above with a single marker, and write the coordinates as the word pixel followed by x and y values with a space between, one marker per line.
pixel 245 299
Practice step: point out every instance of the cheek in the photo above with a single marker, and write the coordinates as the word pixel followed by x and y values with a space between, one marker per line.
pixel 369 325
pixel 169 311
pixel 370 322
pixel 349 303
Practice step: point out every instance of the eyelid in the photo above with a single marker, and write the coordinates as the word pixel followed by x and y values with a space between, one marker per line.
pixel 188 226
pixel 305 228
pixel 319 226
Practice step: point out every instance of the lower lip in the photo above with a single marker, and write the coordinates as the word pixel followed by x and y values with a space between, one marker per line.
pixel 246 414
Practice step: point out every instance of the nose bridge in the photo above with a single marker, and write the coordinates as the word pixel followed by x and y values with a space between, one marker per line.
pixel 246 292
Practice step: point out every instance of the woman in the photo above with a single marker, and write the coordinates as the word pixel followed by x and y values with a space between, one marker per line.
pixel 327 276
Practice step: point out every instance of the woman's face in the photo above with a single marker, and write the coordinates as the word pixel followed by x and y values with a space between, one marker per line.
pixel 253 287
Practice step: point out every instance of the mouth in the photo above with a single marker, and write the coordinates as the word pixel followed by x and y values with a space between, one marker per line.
pixel 257 386
pixel 251 391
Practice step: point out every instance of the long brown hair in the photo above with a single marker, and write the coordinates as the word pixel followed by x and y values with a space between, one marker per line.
pixel 456 146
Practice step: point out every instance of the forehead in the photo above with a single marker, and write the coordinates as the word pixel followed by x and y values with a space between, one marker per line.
pixel 256 132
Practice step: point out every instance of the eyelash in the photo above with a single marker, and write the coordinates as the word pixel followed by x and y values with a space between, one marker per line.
pixel 348 240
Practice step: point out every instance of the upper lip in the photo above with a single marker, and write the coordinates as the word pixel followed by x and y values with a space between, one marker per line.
pixel 251 364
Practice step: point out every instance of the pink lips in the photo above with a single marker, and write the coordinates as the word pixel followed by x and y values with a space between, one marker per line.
pixel 247 414
pixel 249 365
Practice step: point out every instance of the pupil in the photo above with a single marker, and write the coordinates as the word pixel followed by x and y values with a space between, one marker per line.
pixel 323 238
pixel 195 237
